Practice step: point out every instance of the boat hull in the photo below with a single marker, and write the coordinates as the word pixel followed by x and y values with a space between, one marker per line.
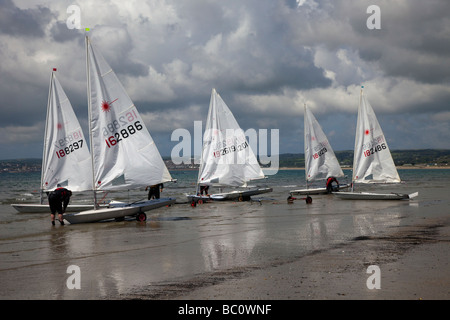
pixel 233 195
pixel 44 208
pixel 372 196
pixel 312 191
pixel 117 210
pixel 196 198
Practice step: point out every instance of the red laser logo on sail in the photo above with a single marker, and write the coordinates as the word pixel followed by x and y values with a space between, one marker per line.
pixel 367 132
pixel 106 106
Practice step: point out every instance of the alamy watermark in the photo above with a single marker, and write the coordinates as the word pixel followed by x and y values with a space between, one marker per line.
pixel 229 146
pixel 374 20
pixel 74 20
pixel 74 280
pixel 374 280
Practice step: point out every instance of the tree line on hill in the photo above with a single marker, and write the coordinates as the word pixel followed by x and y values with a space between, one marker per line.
pixel 401 158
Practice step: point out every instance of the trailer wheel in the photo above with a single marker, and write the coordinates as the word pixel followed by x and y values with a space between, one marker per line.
pixel 200 201
pixel 141 216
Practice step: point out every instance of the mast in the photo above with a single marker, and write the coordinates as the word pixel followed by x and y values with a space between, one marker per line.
pixel 354 153
pixel 44 158
pixel 207 126
pixel 90 121
pixel 304 129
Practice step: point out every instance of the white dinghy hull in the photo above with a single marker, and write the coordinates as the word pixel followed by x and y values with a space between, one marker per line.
pixel 313 191
pixel 374 196
pixel 44 208
pixel 241 195
pixel 237 194
pixel 117 210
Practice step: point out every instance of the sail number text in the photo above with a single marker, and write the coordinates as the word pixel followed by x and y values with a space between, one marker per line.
pixel 377 148
pixel 73 136
pixel 122 121
pixel 320 153
pixel 69 149
pixel 123 134
pixel 227 150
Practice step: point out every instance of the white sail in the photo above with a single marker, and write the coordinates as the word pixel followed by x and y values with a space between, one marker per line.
pixel 66 157
pixel 227 158
pixel 372 162
pixel 124 154
pixel 320 160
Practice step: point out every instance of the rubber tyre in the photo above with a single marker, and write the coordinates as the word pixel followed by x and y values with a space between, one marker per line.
pixel 141 217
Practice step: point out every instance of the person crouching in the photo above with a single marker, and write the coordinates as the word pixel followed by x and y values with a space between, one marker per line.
pixel 58 201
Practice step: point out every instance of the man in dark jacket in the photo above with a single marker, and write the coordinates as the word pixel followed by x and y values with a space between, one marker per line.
pixel 154 191
pixel 58 201
pixel 330 181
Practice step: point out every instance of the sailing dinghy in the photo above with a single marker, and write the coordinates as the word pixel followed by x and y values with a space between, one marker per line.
pixel 66 159
pixel 320 160
pixel 124 155
pixel 227 159
pixel 372 160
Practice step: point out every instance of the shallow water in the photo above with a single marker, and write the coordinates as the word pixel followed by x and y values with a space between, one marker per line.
pixel 181 241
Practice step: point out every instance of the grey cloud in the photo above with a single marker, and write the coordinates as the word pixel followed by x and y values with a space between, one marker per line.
pixel 17 22
pixel 265 58
pixel 117 52
pixel 413 41
pixel 255 51
pixel 61 33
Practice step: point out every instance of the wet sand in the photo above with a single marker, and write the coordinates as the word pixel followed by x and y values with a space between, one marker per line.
pixel 261 250
pixel 414 264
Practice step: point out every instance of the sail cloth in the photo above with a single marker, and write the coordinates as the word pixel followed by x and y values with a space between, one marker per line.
pixel 320 160
pixel 66 157
pixel 124 154
pixel 372 156
pixel 227 158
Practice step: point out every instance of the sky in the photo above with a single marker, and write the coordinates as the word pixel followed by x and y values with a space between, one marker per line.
pixel 266 58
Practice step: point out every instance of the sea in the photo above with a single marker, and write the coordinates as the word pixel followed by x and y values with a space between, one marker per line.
pixel 182 241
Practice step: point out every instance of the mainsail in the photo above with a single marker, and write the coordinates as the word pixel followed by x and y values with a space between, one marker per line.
pixel 227 158
pixel 320 160
pixel 124 154
pixel 372 161
pixel 66 157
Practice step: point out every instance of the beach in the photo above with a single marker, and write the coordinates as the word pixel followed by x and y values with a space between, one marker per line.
pixel 264 249
pixel 414 264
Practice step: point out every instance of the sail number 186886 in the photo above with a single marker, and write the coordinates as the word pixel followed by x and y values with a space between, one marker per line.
pixel 123 134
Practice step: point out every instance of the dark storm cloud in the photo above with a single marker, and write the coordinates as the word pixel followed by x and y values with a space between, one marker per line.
pixel 265 57
pixel 413 42
pixel 61 33
pixel 118 51
pixel 17 22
